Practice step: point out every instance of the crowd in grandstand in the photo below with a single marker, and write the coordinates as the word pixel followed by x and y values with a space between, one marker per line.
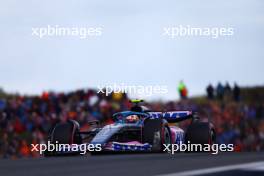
pixel 223 91
pixel 27 120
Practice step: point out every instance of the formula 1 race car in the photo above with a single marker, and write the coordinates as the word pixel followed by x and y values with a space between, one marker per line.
pixel 139 129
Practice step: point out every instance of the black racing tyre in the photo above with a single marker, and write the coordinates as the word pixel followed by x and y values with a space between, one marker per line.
pixel 156 133
pixel 66 133
pixel 200 133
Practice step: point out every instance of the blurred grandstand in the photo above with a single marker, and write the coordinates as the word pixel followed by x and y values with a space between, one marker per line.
pixel 28 119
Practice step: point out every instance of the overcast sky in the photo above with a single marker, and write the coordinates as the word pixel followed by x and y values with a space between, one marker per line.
pixel 131 49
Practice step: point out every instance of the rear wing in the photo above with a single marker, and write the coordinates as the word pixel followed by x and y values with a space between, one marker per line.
pixel 172 116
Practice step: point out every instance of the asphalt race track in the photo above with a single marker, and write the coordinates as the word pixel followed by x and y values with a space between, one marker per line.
pixel 181 164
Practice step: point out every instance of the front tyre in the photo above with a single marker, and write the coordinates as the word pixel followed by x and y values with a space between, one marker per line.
pixel 156 133
pixel 64 133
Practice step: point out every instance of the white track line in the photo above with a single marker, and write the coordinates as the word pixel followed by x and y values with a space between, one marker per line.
pixel 247 166
pixel 257 168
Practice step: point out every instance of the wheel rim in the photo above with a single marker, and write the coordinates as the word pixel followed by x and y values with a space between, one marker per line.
pixel 211 139
pixel 166 136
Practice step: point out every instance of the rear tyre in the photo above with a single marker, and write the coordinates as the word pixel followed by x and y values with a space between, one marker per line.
pixel 200 133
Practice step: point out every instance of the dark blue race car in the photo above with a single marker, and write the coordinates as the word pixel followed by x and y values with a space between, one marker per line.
pixel 139 129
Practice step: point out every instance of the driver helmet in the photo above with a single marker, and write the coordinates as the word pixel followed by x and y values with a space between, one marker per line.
pixel 132 118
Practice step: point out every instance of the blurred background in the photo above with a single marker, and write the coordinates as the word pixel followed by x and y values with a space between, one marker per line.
pixel 54 78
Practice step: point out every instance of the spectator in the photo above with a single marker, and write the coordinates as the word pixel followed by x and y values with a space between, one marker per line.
pixel 220 91
pixel 182 90
pixel 236 93
pixel 227 92
pixel 227 88
pixel 210 92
